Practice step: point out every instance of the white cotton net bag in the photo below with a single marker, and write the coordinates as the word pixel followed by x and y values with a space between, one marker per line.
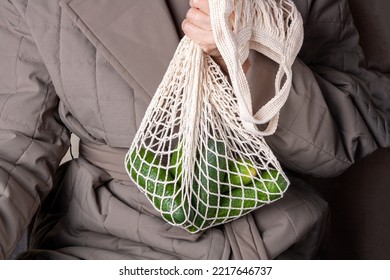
pixel 199 155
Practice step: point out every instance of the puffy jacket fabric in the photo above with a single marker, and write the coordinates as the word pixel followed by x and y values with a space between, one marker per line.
pixel 85 68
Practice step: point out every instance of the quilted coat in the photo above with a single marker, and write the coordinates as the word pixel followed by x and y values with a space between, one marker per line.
pixel 91 67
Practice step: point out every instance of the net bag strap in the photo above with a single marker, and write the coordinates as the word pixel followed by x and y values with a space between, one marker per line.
pixel 271 27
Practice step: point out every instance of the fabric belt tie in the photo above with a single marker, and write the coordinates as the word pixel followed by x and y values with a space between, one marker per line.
pixel 242 234
pixel 107 158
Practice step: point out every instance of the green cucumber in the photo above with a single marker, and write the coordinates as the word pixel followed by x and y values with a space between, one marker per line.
pixel 274 187
pixel 140 163
pixel 215 166
pixel 155 181
pixel 239 199
pixel 176 162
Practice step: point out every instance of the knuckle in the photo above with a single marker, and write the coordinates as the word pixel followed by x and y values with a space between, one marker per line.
pixel 194 15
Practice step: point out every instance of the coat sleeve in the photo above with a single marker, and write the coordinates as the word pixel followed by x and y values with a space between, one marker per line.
pixel 309 139
pixel 338 109
pixel 32 138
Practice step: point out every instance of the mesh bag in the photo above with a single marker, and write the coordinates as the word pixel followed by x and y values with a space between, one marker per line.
pixel 199 155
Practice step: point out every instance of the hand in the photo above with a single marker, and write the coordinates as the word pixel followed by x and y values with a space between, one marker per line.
pixel 197 26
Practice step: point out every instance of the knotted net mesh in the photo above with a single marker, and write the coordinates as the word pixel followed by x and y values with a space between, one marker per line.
pixel 198 156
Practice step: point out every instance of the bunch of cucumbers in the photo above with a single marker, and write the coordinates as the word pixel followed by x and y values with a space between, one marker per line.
pixel 222 189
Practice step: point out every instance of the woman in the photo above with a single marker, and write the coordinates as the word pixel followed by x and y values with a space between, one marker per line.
pixel 76 66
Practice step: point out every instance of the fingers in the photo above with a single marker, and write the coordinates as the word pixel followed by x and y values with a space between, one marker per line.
pixel 202 5
pixel 197 26
pixel 204 38
pixel 199 18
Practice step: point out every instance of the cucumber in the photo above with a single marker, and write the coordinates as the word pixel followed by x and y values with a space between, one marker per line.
pixel 155 181
pixel 224 187
pixel 274 187
pixel 252 196
pixel 203 201
pixel 176 162
pixel 205 197
pixel 215 166
pixel 140 160
pixel 240 199
pixel 271 185
pixel 170 204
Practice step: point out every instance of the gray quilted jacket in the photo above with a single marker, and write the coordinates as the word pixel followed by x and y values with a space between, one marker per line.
pixel 91 67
